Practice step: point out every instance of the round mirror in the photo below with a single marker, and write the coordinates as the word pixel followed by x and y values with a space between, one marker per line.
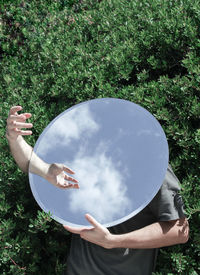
pixel 119 153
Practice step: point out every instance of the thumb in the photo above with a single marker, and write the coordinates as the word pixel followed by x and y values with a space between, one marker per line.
pixel 92 221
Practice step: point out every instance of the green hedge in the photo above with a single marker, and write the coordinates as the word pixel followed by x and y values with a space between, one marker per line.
pixel 54 54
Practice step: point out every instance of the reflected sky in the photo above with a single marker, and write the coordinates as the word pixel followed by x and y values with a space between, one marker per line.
pixel 119 153
pixel 102 192
pixel 70 127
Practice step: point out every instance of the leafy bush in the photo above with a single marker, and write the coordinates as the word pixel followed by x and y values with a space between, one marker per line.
pixel 55 54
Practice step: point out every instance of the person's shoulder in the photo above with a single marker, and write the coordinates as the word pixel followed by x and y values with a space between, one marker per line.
pixel 168 204
pixel 171 181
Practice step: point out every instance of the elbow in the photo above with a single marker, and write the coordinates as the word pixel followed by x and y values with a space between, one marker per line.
pixel 24 167
pixel 184 238
pixel 184 231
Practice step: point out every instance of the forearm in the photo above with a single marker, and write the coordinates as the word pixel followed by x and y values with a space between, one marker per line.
pixel 156 235
pixel 26 159
pixel 21 151
pixel 38 166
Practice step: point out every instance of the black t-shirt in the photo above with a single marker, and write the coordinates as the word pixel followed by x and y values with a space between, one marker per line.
pixel 86 258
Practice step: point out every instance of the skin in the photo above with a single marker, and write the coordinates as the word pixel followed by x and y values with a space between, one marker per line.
pixel 156 235
pixel 25 157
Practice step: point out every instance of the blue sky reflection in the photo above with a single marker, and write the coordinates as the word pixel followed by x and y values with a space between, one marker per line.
pixel 119 153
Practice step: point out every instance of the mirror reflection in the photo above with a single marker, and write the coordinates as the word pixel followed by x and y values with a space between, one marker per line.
pixel 119 154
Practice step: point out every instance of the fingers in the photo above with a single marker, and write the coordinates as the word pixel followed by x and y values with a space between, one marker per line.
pixel 19 125
pixel 92 221
pixel 74 229
pixel 75 186
pixel 13 115
pixel 68 170
pixel 81 230
pixel 70 185
pixel 20 117
pixel 22 132
pixel 16 122
pixel 15 109
pixel 27 115
pixel 70 179
pixel 67 185
pixel 14 129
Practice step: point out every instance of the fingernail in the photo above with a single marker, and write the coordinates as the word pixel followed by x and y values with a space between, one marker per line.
pixel 76 186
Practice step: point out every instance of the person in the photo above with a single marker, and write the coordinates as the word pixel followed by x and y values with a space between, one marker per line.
pixel 129 248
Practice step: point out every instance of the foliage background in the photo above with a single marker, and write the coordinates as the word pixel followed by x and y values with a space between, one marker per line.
pixel 54 54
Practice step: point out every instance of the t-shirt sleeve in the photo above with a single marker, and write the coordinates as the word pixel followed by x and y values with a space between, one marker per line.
pixel 168 204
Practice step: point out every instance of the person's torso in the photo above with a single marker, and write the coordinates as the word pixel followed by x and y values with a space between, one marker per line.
pixel 89 259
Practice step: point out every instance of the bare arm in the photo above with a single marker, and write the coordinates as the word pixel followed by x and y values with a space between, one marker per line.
pixel 20 149
pixel 26 158
pixel 152 236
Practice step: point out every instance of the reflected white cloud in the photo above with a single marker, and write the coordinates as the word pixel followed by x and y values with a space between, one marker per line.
pixel 144 132
pixel 71 126
pixel 102 192
pixel 148 132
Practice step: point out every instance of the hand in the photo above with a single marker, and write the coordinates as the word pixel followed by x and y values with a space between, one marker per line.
pixel 99 234
pixel 16 122
pixel 56 175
